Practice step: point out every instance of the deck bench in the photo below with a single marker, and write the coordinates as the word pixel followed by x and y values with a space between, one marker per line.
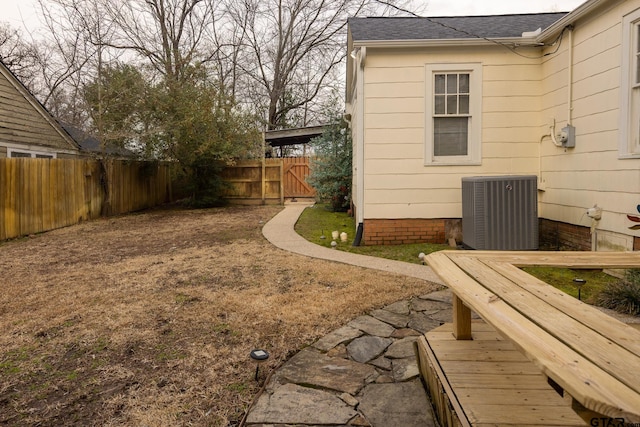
pixel 591 359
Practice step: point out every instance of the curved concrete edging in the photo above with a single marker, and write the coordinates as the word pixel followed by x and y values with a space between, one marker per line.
pixel 281 233
pixel 364 373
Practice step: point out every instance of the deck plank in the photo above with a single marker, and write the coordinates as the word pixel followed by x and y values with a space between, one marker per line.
pixel 505 397
pixel 568 259
pixel 501 381
pixel 493 383
pixel 547 416
pixel 510 367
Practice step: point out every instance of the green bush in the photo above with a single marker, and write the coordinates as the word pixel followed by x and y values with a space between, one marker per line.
pixel 207 185
pixel 331 167
pixel 623 296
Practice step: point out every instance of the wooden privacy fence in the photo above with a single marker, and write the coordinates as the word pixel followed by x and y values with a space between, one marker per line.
pixel 37 195
pixel 137 185
pixel 269 182
pixel 254 182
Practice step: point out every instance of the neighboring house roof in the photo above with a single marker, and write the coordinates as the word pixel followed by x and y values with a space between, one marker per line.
pixel 25 120
pixel 450 28
pixel 90 143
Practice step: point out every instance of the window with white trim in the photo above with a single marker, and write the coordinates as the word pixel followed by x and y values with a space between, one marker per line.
pixel 13 153
pixel 453 113
pixel 629 143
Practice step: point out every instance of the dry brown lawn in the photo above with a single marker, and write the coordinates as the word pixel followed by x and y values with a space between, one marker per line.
pixel 149 319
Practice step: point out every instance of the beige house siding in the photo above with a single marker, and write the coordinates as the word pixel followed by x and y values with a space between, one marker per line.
pixel 398 183
pixel 580 78
pixel 592 172
pixel 26 125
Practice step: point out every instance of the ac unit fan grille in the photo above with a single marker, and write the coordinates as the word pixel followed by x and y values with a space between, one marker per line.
pixel 500 213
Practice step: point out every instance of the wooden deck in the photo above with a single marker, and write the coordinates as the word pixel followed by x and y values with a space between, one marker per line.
pixel 490 379
pixel 584 353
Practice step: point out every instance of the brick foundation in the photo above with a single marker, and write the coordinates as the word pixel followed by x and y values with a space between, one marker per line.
pixel 407 231
pixel 556 235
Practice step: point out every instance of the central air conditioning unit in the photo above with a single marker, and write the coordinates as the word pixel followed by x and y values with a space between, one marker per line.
pixel 500 212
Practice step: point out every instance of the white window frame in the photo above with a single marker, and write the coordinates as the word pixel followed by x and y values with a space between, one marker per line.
pixel 474 141
pixel 629 127
pixel 33 154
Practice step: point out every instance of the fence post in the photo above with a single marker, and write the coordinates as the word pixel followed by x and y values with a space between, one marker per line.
pixel 264 170
pixel 282 181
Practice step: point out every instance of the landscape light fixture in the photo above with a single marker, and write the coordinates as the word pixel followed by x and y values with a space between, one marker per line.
pixel 259 356
pixel 579 283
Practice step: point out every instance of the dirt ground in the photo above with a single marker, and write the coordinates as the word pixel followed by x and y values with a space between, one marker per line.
pixel 149 319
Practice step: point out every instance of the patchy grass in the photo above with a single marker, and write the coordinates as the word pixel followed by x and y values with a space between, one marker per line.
pixel 319 220
pixel 149 319
pixel 562 278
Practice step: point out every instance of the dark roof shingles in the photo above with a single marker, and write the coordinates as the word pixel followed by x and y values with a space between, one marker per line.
pixel 495 26
pixel 91 144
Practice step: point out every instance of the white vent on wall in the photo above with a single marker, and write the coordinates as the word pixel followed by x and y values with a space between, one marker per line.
pixel 500 212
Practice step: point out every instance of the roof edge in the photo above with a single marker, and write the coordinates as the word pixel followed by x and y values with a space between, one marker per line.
pixel 582 10
pixel 531 38
pixel 476 41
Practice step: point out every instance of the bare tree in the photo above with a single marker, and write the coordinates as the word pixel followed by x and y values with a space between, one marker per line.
pixel 20 56
pixel 167 33
pixel 49 69
pixel 280 34
pixel 279 58
pixel 74 55
pixel 228 47
pixel 87 35
pixel 296 47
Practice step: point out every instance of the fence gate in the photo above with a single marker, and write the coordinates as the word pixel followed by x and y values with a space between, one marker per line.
pixel 296 170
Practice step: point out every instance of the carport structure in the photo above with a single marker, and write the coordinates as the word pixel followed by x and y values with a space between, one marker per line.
pixel 293 149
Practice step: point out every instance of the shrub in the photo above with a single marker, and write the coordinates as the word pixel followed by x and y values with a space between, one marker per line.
pixel 331 168
pixel 623 296
pixel 207 185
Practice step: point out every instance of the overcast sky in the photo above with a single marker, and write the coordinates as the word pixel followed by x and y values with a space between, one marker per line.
pixel 498 7
pixel 18 11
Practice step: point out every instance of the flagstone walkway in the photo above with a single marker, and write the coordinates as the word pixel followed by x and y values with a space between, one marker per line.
pixel 364 373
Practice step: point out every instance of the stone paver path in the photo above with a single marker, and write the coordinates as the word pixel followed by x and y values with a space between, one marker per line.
pixel 362 374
